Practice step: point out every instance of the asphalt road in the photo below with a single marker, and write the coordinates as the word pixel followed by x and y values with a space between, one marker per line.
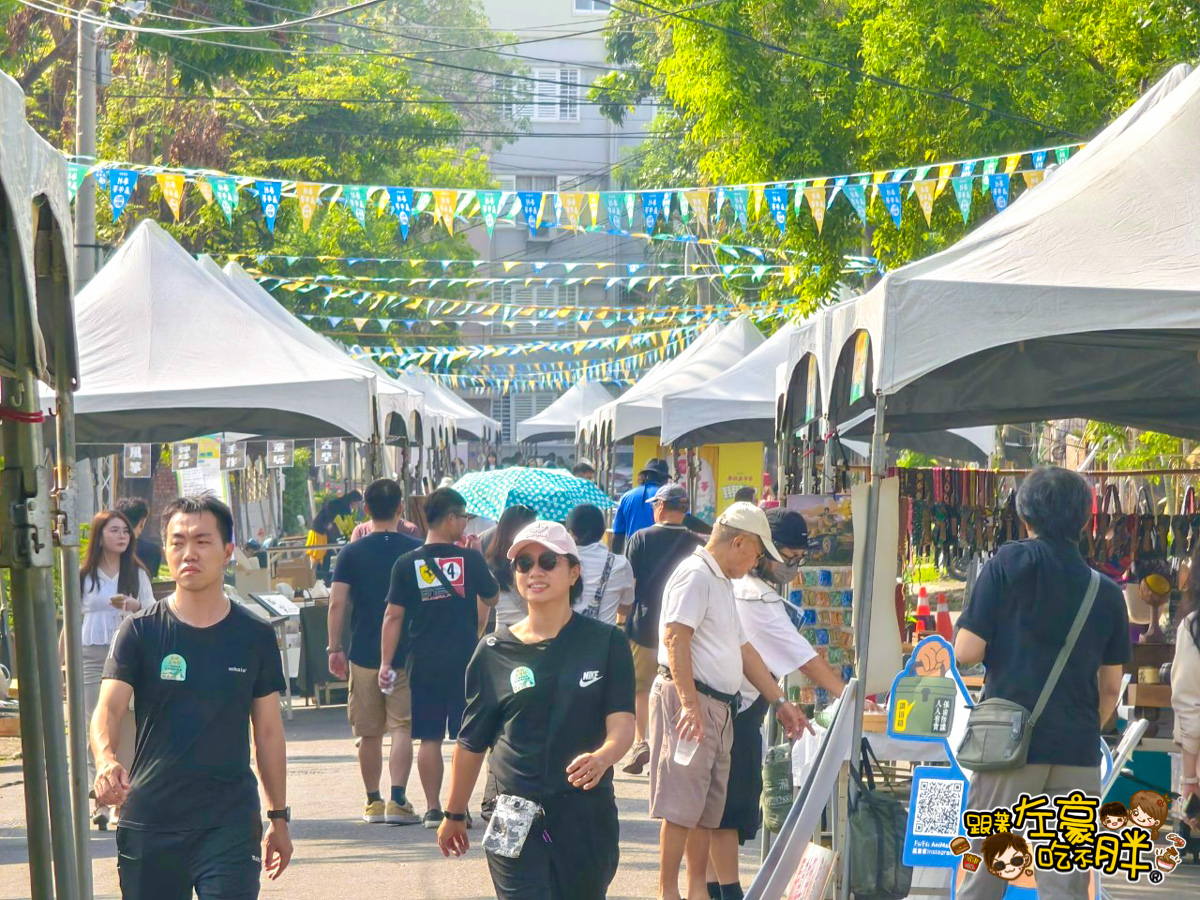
pixel 338 855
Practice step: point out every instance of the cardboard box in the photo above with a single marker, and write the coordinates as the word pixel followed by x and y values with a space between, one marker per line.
pixel 1155 695
pixel 296 572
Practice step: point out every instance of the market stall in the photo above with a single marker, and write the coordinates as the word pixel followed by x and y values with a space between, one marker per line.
pixel 560 419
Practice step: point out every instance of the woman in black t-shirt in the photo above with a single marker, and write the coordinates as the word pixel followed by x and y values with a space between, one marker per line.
pixel 552 698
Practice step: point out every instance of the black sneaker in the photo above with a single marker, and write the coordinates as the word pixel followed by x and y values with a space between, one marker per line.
pixel 432 819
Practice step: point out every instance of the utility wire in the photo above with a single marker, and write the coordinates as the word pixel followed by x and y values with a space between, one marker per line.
pixel 82 15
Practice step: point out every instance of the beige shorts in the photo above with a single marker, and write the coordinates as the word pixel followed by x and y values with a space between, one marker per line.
pixel 371 712
pixel 1189 742
pixel 645 667
pixel 692 796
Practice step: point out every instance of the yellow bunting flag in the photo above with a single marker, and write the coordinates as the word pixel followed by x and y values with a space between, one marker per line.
pixel 171 185
pixel 309 195
pixel 698 201
pixel 925 196
pixel 760 191
pixel 943 179
pixel 205 190
pixel 1011 163
pixel 1033 177
pixel 877 178
pixel 510 265
pixel 815 195
pixel 445 203
pixel 573 207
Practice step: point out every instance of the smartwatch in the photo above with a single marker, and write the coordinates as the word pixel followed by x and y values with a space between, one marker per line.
pixel 284 814
pixel 779 702
pixel 455 817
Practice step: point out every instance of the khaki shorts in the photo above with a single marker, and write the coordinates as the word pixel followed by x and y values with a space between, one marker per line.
pixel 371 712
pixel 645 667
pixel 691 796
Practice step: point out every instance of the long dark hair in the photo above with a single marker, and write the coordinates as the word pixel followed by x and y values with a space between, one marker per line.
pixel 1191 602
pixel 511 521
pixel 127 573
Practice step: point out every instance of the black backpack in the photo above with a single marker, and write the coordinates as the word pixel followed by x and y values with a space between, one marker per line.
pixel 877 826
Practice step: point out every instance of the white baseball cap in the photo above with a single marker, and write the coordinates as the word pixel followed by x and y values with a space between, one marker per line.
pixel 550 535
pixel 749 518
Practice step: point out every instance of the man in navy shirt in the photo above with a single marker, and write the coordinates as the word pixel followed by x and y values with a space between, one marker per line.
pixel 361 577
pixel 636 508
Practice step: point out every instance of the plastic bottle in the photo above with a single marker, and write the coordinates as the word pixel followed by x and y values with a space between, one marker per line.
pixel 944 628
pixel 391 688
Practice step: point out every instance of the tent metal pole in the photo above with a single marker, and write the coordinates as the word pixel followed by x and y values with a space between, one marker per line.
pixel 863 605
pixel 828 477
pixel 66 505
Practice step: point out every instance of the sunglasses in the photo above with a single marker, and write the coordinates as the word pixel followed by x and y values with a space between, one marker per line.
pixel 1016 862
pixel 547 562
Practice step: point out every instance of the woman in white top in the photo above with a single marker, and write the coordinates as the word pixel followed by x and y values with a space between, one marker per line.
pixel 113 584
pixel 1185 683
pixel 510 608
pixel 607 577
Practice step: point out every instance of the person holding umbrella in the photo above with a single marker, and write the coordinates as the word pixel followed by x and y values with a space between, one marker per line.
pixel 552 698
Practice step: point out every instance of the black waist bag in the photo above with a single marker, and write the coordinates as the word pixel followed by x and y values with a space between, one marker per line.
pixel 877 827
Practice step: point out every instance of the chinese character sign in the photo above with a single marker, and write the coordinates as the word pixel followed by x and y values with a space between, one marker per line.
pixel 327 452
pixel 233 455
pixel 136 461
pixel 184 455
pixel 280 454
pixel 858 383
pixel 171 185
pixel 777 202
pixel 120 189
pixel 269 193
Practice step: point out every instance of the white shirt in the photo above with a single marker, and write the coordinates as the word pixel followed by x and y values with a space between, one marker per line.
pixel 618 591
pixel 100 618
pixel 699 596
pixel 1185 683
pixel 769 631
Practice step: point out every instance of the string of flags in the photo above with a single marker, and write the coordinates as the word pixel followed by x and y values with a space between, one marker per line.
pixel 136 459
pixel 639 213
pixel 535 266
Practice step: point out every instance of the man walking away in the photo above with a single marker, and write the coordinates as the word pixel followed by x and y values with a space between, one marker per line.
pixel 635 510
pixel 439 597
pixel 653 554
pixel 202 670
pixel 361 575
pixel 150 553
pixel 702 658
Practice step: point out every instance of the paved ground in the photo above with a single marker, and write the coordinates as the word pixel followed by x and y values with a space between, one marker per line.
pixel 338 856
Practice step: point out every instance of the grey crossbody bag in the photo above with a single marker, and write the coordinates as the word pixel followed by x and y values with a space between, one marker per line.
pixel 999 731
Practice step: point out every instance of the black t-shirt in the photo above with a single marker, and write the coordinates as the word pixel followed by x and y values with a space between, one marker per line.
pixel 151 555
pixel 192 691
pixel 1023 605
pixel 366 567
pixel 538 706
pixel 654 553
pixel 441 627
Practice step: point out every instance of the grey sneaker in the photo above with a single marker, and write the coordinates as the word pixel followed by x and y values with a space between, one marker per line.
pixel 432 819
pixel 639 756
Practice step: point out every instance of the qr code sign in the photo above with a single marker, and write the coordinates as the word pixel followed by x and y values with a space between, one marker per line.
pixel 938 805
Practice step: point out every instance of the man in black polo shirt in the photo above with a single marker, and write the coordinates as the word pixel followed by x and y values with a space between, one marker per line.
pixel 148 552
pixel 439 597
pixel 361 575
pixel 653 554
pixel 202 670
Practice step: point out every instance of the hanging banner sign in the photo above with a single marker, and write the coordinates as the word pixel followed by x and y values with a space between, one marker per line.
pixel 815 195
pixel 1034 178
pixel 489 205
pixel 120 188
pixel 628 200
pixel 998 186
pixel 612 208
pixel 531 208
pixel 964 191
pixel 445 204
pixel 281 454
pixel 327 452
pixel 893 200
pixel 943 179
pixel 810 389
pixel 1039 159
pixel 309 196
pixel 990 165
pixel 777 203
pixel 233 455
pixel 651 207
pixel 184 455
pixel 171 184
pixel 698 201
pixel 925 194
pixel 739 199
pixel 1062 154
pixel 226 191
pixel 594 208
pixel 269 193
pixel 75 175
pixel 205 190
pixel 857 195
pixel 858 386
pixel 356 199
pixel 135 461
pixel 401 205
pixel 572 204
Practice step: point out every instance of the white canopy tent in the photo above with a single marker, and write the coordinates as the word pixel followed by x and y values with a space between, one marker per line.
pixel 1080 299
pixel 562 417
pixel 639 410
pixel 736 405
pixel 469 421
pixel 172 352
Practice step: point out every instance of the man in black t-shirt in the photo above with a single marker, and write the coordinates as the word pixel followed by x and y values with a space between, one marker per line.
pixel 361 575
pixel 147 551
pixel 202 670
pixel 439 599
pixel 653 554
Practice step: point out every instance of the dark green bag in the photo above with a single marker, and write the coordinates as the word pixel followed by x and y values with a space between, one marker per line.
pixel 777 794
pixel 877 827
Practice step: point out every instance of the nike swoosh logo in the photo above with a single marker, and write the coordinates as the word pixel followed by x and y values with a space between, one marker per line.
pixel 589 680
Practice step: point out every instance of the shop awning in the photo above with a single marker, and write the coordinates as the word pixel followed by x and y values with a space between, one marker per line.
pixel 559 420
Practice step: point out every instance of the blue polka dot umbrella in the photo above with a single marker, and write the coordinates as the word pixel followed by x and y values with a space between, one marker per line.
pixel 553 493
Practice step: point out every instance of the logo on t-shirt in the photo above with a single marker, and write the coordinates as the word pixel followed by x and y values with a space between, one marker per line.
pixel 431 586
pixel 521 678
pixel 174 668
pixel 590 678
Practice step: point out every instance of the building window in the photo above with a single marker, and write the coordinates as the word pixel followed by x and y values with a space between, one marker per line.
pixel 512 409
pixel 601 7
pixel 551 96
pixel 548 296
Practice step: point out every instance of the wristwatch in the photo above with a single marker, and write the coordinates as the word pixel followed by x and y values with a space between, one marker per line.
pixel 333 649
pixel 455 817
pixel 778 702
pixel 284 814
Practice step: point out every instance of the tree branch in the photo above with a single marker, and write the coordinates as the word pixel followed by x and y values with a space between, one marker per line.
pixel 30 76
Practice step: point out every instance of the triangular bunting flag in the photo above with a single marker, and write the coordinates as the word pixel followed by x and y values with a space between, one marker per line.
pixel 356 199
pixel 815 195
pixel 651 208
pixel 489 206
pixel 1039 159
pixel 739 198
pixel 629 201
pixel 990 165
pixel 205 190
pixel 777 203
pixel 594 208
pixel 120 188
pixel 943 179
pixel 893 200
pixel 400 201
pixel 1011 163
pixel 925 191
pixel 572 204
pixel 76 172
pixel 171 184
pixel 857 195
pixel 612 208
pixel 998 186
pixel 531 206
pixel 1034 178
pixel 759 193
pixel 964 191
pixel 697 202
pixel 445 203
pixel 309 196
pixel 1062 154
pixel 225 190
pixel 269 193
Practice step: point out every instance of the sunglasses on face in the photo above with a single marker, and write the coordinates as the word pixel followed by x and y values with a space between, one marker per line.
pixel 1016 862
pixel 547 562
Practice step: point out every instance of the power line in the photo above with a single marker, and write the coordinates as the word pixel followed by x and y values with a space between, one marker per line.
pixel 218 28
pixel 406 101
